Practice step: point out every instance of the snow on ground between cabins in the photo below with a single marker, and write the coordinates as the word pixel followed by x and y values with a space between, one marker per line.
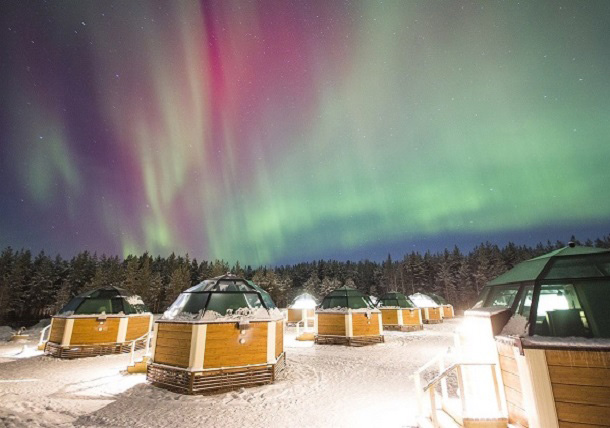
pixel 323 386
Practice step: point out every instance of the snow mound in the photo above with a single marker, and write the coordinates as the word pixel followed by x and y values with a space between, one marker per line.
pixel 516 326
pixel 6 332
pixel 231 316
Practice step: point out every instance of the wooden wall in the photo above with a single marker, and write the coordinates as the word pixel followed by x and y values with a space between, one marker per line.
pixel 411 316
pixel 331 324
pixel 173 344
pixel 279 338
pixel 512 385
pixel 447 311
pixel 363 326
pixel 389 316
pixel 295 315
pixel 137 326
pixel 433 313
pixel 581 387
pixel 57 330
pixel 90 331
pixel 223 347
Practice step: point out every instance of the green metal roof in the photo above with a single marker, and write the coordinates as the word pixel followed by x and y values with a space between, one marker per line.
pixel 346 297
pixel 395 298
pixel 566 262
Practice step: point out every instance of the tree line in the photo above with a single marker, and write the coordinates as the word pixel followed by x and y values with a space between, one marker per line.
pixel 33 287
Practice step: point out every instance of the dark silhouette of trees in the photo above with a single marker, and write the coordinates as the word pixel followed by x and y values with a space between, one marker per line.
pixel 33 287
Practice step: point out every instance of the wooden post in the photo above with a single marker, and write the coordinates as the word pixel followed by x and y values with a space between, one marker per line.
pixel 460 380
pixel 122 333
pixel 153 344
pixel 349 327
pixel 433 415
pixel 198 336
pixel 65 340
pixel 541 389
pixel 271 342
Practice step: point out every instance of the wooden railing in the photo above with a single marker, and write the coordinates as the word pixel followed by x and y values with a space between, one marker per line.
pixel 42 333
pixel 444 370
pixel 148 336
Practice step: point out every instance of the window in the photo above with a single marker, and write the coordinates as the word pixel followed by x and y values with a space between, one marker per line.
pixel 525 305
pixel 595 299
pixel 482 297
pixel 502 296
pixel 560 313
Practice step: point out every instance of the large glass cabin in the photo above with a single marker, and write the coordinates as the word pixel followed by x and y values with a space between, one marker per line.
pixel 348 317
pixel 98 322
pixel 224 333
pixel 398 312
pixel 551 323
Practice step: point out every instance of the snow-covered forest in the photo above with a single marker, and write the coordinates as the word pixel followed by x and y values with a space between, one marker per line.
pixel 36 286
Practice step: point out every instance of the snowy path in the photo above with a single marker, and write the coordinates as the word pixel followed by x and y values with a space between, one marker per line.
pixel 324 386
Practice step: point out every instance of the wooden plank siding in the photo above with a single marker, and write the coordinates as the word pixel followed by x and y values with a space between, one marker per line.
pixel 173 344
pixel 295 315
pixel 57 330
pixel 279 338
pixel 389 316
pixel 91 331
pixel 364 326
pixel 573 425
pixel 512 385
pixel 434 314
pixel 411 316
pixel 137 326
pixel 331 324
pixel 447 311
pixel 223 347
pixel 581 387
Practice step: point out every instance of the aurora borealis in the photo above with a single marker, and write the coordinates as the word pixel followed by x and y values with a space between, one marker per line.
pixel 276 131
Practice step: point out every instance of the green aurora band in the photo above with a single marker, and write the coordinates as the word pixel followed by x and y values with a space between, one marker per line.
pixel 267 133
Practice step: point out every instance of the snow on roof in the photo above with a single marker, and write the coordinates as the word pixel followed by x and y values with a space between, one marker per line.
pixel 577 343
pixel 422 300
pixel 241 314
pixel 303 301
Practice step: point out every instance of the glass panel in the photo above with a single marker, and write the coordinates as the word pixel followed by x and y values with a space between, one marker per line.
pixel 195 302
pixel 502 297
pixel 222 302
pixel 359 302
pixel 335 302
pixel 482 297
pixel 95 306
pixel 595 299
pixel 580 267
pixel 71 306
pixel 560 313
pixel 177 306
pixel 525 306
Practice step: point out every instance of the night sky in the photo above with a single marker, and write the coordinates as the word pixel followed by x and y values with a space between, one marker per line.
pixel 280 131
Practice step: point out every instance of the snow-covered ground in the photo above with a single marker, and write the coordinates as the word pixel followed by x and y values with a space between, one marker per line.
pixel 323 386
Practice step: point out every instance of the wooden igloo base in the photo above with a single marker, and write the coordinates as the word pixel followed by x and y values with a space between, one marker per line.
pixel 349 341
pixel 214 381
pixel 81 351
pixel 404 328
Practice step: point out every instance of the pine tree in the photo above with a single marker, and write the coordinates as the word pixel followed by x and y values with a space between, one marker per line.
pixel 7 262
pixel 179 282
pixel 312 285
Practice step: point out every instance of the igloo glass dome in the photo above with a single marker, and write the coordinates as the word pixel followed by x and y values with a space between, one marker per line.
pixel 108 300
pixel 223 295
